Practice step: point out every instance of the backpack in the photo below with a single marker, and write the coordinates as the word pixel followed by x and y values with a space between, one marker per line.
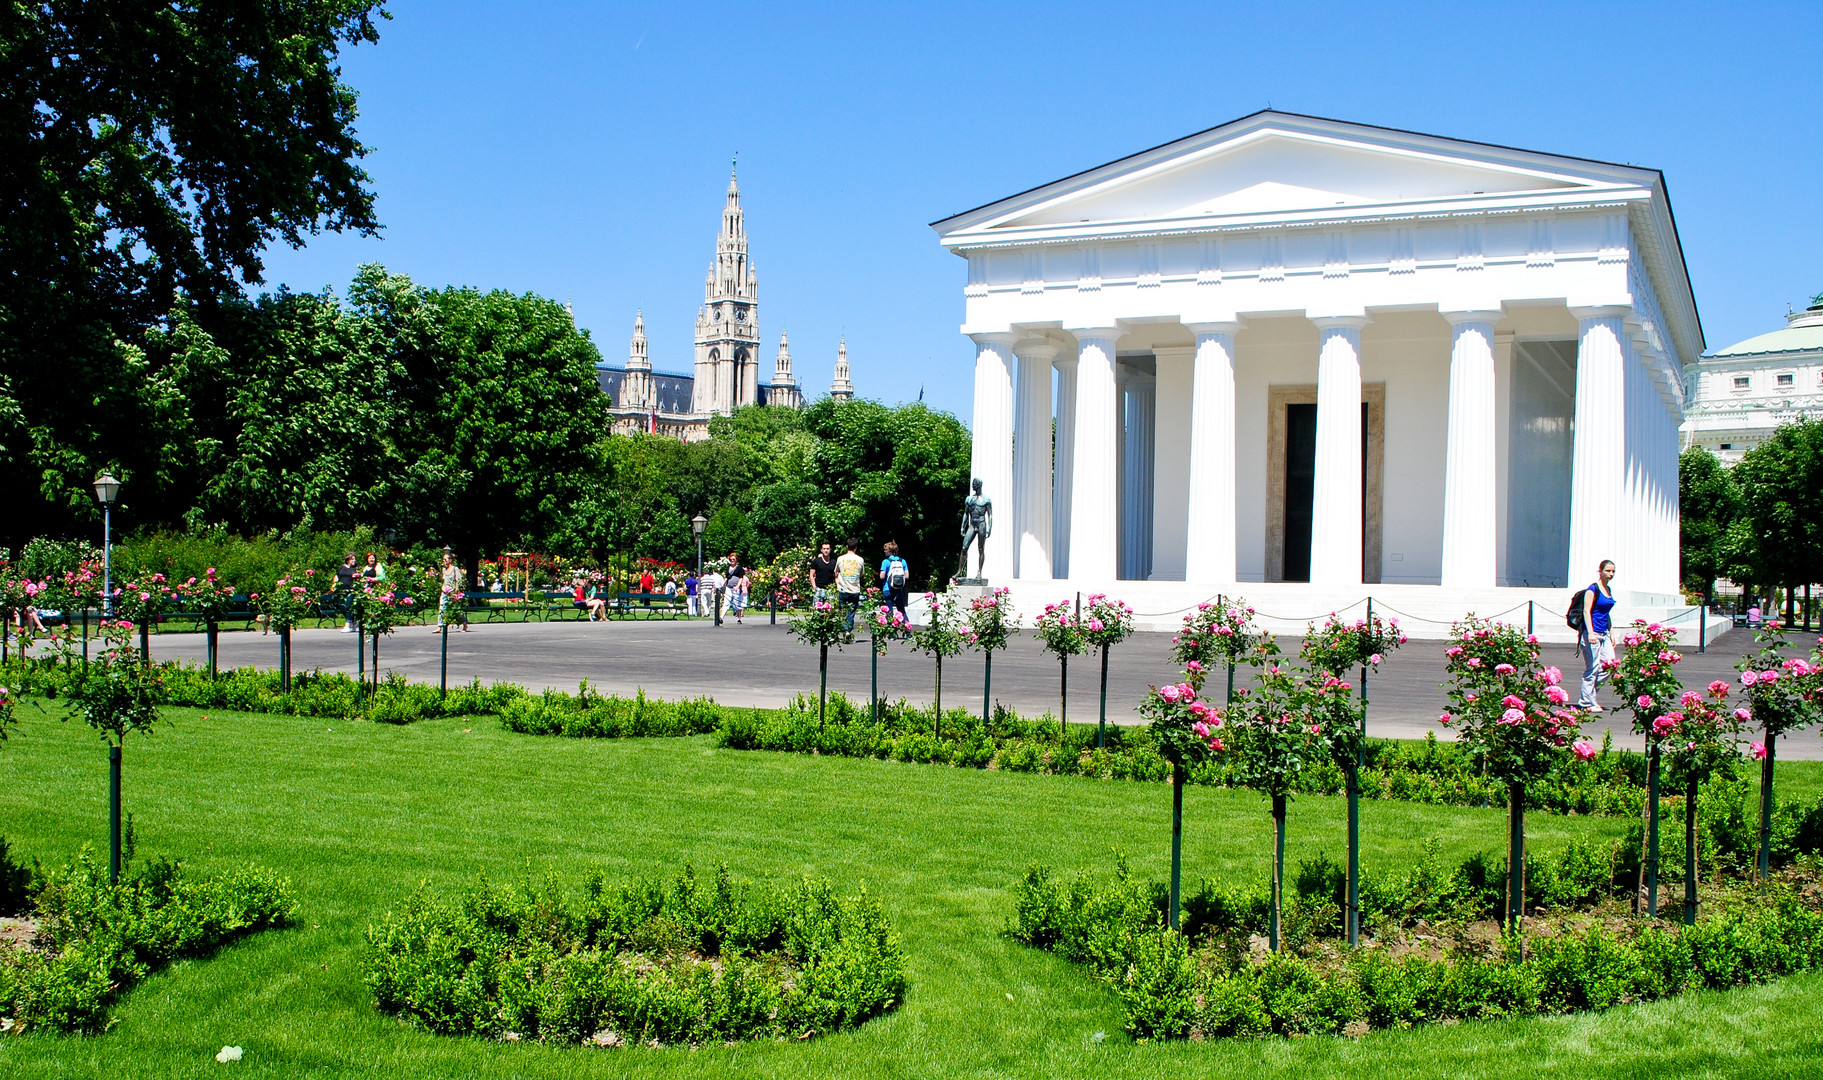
pixel 896 573
pixel 1574 617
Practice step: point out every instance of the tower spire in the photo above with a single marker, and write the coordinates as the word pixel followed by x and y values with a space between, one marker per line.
pixel 840 387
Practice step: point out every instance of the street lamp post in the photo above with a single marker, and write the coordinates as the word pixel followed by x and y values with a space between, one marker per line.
pixel 107 489
pixel 697 525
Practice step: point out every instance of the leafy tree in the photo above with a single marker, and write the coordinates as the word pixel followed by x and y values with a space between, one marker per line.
pixel 891 473
pixel 1709 504
pixel 782 515
pixel 1779 537
pixel 729 530
pixel 148 151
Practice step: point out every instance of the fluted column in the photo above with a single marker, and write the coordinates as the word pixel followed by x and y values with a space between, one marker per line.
pixel 1469 479
pixel 991 457
pixel 1598 458
pixel 1032 461
pixel 1210 542
pixel 1063 472
pixel 1093 507
pixel 1141 401
pixel 1336 522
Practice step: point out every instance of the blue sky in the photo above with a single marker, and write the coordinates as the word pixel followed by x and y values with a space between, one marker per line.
pixel 581 150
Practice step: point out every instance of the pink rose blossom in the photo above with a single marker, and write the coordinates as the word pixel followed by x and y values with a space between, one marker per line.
pixel 1759 751
pixel 1552 676
pixel 1749 677
pixel 1374 659
pixel 1445 718
pixel 1557 694
pixel 1504 669
pixel 1644 701
pixel 1474 661
pixel 1583 750
pixel 1769 676
pixel 1453 651
pixel 1718 688
pixel 1512 716
pixel 1512 702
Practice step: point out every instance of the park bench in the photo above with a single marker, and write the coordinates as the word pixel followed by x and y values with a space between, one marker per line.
pixel 647 605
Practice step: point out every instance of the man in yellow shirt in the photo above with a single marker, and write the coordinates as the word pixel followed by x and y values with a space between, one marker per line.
pixel 848 582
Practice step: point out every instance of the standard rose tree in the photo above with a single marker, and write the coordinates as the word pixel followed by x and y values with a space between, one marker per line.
pixel 1186 731
pixel 1107 623
pixel 991 623
pixel 1061 634
pixel 1782 695
pixel 939 637
pixel 119 695
pixel 1644 676
pixel 1516 714
pixel 822 625
pixel 1222 632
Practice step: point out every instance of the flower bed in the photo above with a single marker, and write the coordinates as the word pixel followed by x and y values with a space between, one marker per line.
pixel 689 961
pixel 1437 954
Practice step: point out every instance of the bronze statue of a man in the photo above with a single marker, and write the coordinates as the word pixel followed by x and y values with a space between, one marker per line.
pixel 977 523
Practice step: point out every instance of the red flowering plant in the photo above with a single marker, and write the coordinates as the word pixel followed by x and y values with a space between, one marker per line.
pixel 822 625
pixel 1186 731
pixel 1699 738
pixel 1644 676
pixel 7 719
pixel 290 600
pixel 143 602
pixel 1338 646
pixel 1060 633
pixel 1218 633
pixel 1516 714
pixel 939 636
pixel 989 625
pixel 1782 695
pixel 211 599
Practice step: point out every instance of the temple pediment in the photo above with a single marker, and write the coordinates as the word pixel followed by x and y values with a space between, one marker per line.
pixel 1284 166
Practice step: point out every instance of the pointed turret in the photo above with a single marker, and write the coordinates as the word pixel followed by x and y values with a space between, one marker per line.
pixel 636 384
pixel 727 325
pixel 840 387
pixel 784 386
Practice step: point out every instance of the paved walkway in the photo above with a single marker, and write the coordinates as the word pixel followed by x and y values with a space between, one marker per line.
pixel 757 664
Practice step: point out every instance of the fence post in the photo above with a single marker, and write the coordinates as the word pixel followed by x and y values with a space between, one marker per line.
pixel 1702 627
pixel 775 605
pixel 1529 613
pixel 718 605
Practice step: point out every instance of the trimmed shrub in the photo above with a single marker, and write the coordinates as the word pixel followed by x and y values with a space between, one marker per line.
pixel 689 961
pixel 95 940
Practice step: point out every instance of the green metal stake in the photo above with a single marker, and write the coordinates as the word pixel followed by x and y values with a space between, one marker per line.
pixel 1278 867
pixel 987 690
pixel 1177 837
pixel 1101 731
pixel 1063 698
pixel 114 814
pixel 443 668
pixel 873 661
pixel 1230 682
pixel 285 659
pixel 822 681
pixel 1652 760
pixel 1515 854
pixel 376 665
pixel 1765 859
pixel 1690 852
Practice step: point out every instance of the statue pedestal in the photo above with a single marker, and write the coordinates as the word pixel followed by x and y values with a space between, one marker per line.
pixel 968 581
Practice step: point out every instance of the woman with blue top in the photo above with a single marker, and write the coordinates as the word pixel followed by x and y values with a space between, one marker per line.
pixel 1597 648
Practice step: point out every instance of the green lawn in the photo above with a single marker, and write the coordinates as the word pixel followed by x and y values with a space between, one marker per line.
pixel 358 814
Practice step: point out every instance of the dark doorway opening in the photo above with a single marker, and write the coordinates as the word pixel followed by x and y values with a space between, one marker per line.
pixel 1300 488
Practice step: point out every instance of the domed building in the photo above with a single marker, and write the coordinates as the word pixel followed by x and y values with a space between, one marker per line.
pixel 1740 394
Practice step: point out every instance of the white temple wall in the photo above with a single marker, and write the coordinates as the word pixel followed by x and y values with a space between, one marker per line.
pixel 1410 353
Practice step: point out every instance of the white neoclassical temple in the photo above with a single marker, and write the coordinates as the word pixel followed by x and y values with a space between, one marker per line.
pixel 1310 361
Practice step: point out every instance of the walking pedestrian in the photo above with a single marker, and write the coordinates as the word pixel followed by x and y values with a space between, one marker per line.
pixel 848 582
pixel 451 600
pixel 737 585
pixel 895 578
pixel 823 574
pixel 690 587
pixel 1597 648
pixel 344 589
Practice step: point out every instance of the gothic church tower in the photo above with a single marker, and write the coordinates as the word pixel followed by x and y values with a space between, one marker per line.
pixel 727 325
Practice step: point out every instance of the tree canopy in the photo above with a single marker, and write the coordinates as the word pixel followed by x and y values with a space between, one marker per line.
pixel 1778 539
pixel 148 154
pixel 1709 505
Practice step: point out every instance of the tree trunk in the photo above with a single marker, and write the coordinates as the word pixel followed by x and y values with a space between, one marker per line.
pixel 285 659
pixel 210 629
pixel 114 814
pixel 1063 698
pixel 987 688
pixel 1353 779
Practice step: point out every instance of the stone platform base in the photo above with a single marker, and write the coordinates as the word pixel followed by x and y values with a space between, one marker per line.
pixel 1289 608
